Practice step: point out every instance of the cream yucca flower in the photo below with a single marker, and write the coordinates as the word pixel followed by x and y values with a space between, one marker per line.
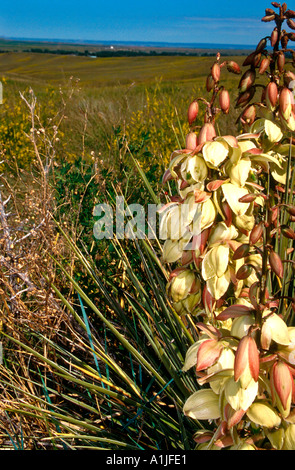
pixel 215 153
pixel 203 404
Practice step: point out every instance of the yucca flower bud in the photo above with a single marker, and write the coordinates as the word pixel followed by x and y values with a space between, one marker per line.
pixel 281 61
pixel 253 59
pixel 274 37
pixel 247 80
pixel 243 272
pixel 246 366
pixel 241 252
pixel 290 14
pixel 182 283
pixel 271 95
pixel 215 72
pixel 208 353
pixel 224 101
pixel 288 232
pixel 276 264
pixel 192 112
pixel 291 23
pixel 207 133
pixel 281 382
pixel 249 115
pixel 286 102
pixel 210 83
pixel 268 18
pixel 261 45
pixel 256 233
pixel 289 77
pixel 233 67
pixel 245 98
pixel 191 141
pixel 264 65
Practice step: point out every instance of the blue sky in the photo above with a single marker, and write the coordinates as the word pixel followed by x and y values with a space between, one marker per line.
pixel 211 21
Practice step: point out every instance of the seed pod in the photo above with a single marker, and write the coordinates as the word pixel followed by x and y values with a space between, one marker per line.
pixel 291 23
pixel 247 80
pixel 276 264
pixel 274 37
pixel 271 95
pixel 245 98
pixel 264 65
pixel 281 61
pixel 192 112
pixel 224 101
pixel 256 233
pixel 215 72
pixel 233 67
pixel 206 133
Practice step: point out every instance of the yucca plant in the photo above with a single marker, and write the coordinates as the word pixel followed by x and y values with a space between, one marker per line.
pixel 235 244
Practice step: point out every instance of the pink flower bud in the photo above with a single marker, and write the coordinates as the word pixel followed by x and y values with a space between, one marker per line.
pixel 210 83
pixel 208 353
pixel 281 383
pixel 274 37
pixel 247 80
pixel 192 112
pixel 224 101
pixel 271 95
pixel 191 141
pixel 276 264
pixel 248 116
pixel 281 61
pixel 246 97
pixel 246 365
pixel 253 59
pixel 215 72
pixel 286 102
pixel 206 133
pixel 264 65
pixel 256 233
pixel 233 67
pixel 291 23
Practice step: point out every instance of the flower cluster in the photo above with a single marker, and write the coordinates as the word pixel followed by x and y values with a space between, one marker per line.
pixel 231 212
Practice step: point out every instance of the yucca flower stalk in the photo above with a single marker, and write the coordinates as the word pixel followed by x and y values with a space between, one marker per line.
pixel 236 244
